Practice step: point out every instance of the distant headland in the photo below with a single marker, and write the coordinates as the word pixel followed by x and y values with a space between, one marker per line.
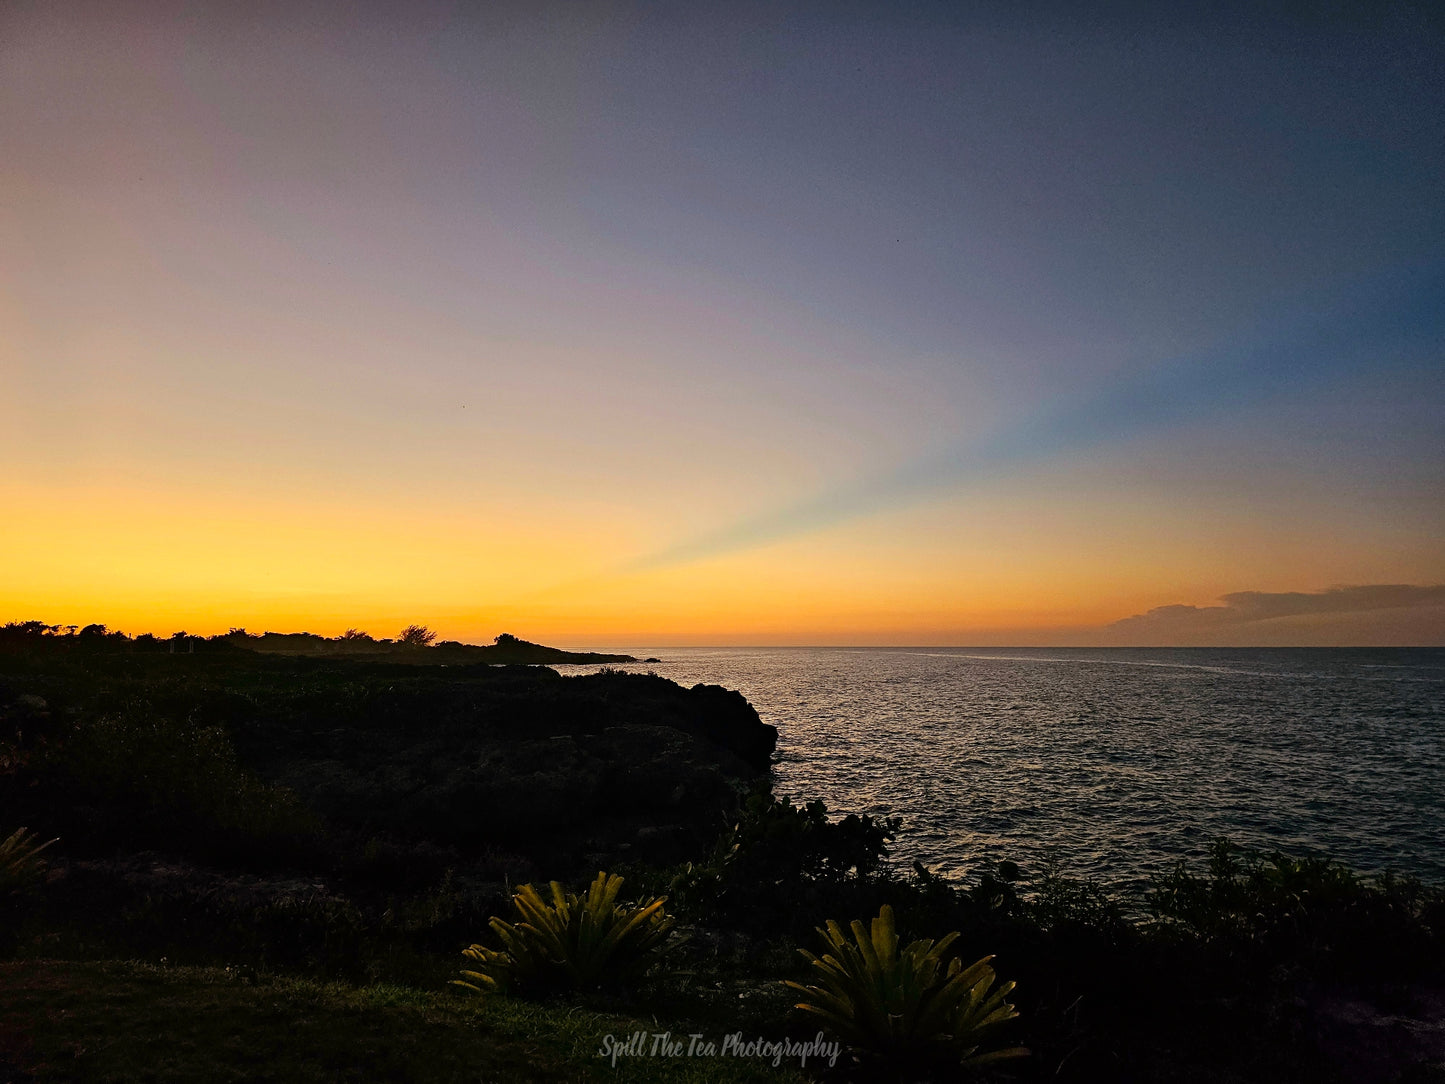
pixel 414 644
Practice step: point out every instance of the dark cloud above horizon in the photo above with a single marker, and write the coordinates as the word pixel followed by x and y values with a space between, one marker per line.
pixel 1420 609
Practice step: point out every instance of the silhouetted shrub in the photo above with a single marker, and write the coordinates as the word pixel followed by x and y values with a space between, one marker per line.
pixel 178 770
pixel 782 866
pixel 1311 912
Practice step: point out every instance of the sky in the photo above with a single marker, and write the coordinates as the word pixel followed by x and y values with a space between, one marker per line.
pixel 622 324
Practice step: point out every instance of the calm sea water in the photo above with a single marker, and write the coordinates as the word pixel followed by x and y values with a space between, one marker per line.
pixel 1116 761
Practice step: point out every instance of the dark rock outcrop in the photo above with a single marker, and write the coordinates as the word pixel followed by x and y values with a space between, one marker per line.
pixel 527 759
pixel 515 757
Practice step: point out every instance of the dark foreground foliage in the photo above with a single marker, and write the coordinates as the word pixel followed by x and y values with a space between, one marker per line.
pixel 284 760
pixel 313 821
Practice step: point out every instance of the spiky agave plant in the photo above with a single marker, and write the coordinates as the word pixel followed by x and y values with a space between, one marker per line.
pixel 570 942
pixel 917 1004
pixel 20 861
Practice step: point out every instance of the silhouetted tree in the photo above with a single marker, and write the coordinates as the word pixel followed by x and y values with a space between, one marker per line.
pixel 29 629
pixel 416 636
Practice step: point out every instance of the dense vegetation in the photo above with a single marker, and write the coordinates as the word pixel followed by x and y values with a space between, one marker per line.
pixel 415 643
pixel 272 838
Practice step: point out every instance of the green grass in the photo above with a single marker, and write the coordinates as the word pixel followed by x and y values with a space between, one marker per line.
pixel 120 1022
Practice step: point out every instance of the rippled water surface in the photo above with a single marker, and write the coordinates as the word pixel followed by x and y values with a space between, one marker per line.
pixel 1119 761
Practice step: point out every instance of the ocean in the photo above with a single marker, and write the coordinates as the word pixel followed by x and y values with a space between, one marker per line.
pixel 1111 763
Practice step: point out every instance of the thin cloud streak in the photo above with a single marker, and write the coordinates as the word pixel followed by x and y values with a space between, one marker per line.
pixel 1393 320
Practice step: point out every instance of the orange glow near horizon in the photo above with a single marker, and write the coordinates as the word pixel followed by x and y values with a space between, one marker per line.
pixel 152 561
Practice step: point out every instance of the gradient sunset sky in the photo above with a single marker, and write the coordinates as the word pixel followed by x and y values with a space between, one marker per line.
pixel 622 324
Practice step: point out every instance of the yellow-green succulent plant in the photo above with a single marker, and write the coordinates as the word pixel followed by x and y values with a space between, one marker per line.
pixel 914 1003
pixel 20 861
pixel 571 941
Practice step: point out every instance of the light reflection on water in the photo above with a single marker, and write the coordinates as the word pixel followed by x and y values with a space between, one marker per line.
pixel 1118 760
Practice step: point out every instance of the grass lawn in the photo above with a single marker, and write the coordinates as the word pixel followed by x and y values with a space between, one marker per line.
pixel 119 1021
